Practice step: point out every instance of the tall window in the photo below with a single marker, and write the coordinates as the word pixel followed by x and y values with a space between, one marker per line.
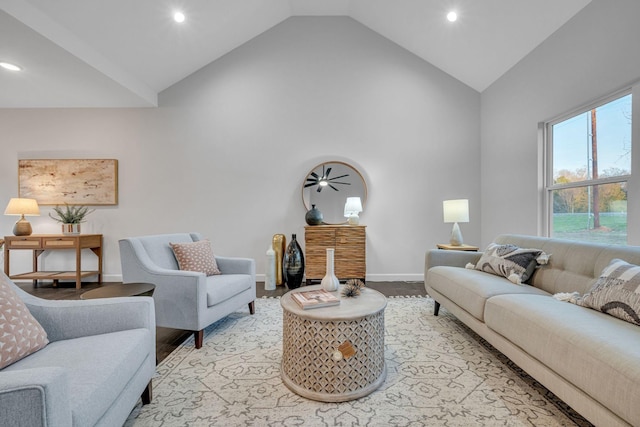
pixel 588 166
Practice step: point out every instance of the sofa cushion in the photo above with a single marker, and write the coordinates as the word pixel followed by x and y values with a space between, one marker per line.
pixel 470 289
pixel 196 256
pixel 510 261
pixel 20 333
pixel 596 352
pixel 616 292
pixel 221 288
pixel 119 355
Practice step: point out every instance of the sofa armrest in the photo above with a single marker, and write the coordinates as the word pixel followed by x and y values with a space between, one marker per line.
pixel 72 319
pixel 228 265
pixel 436 257
pixel 34 397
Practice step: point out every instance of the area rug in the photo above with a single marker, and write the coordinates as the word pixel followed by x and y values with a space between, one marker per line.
pixel 440 373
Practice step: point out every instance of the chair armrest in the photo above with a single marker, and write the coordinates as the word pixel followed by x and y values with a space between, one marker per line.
pixel 34 397
pixel 229 265
pixel 435 257
pixel 72 319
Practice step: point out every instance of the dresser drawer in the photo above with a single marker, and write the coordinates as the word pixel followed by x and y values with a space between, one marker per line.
pixel 23 242
pixel 58 242
pixel 349 243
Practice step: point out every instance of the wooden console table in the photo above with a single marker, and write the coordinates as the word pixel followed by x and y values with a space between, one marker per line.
pixel 38 243
pixel 349 242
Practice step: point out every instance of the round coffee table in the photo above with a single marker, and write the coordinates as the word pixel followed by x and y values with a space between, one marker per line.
pixel 311 365
pixel 120 290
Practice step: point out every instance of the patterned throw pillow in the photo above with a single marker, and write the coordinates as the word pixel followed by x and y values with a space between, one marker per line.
pixel 20 332
pixel 616 292
pixel 196 256
pixel 510 261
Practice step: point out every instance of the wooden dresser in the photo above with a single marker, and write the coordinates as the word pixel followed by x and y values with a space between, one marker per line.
pixel 349 242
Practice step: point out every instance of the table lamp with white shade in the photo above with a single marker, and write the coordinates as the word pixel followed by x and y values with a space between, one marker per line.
pixel 351 210
pixel 22 207
pixel 456 211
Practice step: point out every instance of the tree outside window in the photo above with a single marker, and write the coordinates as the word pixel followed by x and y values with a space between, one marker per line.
pixel 589 169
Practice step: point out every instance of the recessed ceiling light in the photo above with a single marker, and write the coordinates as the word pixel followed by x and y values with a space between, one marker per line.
pixel 179 17
pixel 452 16
pixel 10 66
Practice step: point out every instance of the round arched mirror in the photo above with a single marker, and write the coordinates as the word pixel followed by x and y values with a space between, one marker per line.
pixel 327 187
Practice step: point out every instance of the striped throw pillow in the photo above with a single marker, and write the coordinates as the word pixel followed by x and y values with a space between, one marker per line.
pixel 616 292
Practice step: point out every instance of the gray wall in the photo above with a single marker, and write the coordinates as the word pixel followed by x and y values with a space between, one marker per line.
pixel 229 147
pixel 593 55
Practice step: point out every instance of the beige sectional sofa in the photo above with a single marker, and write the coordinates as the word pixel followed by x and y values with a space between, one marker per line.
pixel 589 359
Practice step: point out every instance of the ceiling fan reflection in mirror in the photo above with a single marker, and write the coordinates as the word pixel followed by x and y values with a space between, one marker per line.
pixel 324 180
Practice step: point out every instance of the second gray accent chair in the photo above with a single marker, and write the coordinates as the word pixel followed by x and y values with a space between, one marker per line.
pixel 185 299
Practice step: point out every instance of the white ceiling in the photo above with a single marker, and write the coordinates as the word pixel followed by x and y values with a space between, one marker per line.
pixel 122 53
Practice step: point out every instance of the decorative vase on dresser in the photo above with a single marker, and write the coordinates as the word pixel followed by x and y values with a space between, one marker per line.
pixel 330 282
pixel 349 243
pixel 293 264
pixel 313 216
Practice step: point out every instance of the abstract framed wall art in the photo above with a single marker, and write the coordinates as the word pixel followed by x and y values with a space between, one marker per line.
pixel 71 181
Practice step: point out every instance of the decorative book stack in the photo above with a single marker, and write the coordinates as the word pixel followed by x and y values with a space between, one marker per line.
pixel 314 299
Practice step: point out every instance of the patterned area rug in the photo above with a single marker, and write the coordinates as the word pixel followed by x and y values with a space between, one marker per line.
pixel 440 373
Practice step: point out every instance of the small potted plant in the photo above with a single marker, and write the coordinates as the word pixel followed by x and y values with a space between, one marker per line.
pixel 70 217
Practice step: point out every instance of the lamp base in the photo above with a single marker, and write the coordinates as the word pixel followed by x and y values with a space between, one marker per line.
pixel 456 235
pixel 353 220
pixel 22 228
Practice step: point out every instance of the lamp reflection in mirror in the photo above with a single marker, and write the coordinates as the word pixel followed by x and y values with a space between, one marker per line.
pixel 351 210
pixel 456 211
pixel 22 207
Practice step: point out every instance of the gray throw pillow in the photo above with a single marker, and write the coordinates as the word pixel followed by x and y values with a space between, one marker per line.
pixel 510 261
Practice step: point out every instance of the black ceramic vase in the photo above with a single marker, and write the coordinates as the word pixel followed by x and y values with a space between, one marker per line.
pixel 293 264
pixel 313 216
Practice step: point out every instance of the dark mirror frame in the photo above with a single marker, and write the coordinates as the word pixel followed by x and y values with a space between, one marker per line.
pixel 330 199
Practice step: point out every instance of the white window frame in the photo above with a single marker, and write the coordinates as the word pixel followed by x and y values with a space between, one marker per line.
pixel 548 187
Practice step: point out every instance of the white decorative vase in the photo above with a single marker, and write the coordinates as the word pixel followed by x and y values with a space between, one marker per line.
pixel 330 282
pixel 270 273
pixel 71 228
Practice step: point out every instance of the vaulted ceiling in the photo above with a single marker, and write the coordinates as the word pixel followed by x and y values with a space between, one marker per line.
pixel 122 53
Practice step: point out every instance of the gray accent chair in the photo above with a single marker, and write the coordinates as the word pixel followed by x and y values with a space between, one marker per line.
pixel 99 362
pixel 185 299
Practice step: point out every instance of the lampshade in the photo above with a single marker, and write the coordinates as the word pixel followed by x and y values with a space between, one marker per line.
pixel 28 207
pixel 456 210
pixel 353 206
pixel 22 207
